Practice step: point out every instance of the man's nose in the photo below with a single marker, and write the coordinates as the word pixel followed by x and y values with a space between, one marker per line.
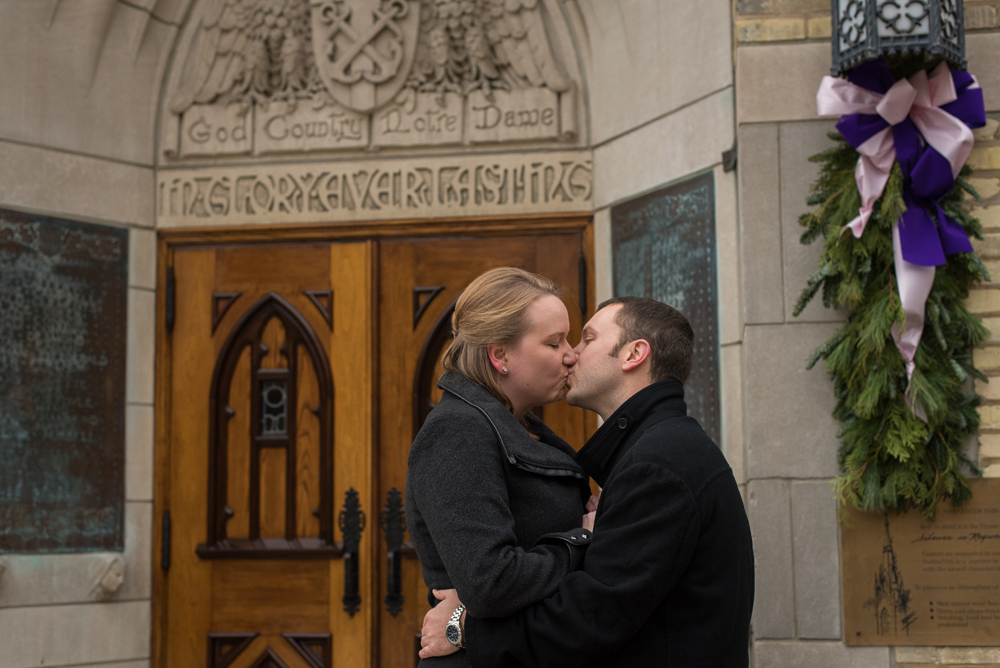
pixel 570 357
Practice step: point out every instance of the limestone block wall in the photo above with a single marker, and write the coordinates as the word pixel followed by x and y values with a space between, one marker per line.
pixel 80 80
pixel 782 51
pixel 660 91
pixel 985 301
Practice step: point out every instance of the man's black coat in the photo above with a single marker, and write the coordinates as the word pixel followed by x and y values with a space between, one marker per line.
pixel 668 579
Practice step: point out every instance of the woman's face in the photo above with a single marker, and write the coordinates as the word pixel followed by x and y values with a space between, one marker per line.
pixel 537 367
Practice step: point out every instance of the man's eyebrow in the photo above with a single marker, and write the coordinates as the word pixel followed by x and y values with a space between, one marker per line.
pixel 587 329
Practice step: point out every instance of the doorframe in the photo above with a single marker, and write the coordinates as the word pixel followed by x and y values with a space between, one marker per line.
pixel 171 239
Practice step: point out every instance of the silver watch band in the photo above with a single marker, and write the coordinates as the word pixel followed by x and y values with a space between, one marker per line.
pixel 456 623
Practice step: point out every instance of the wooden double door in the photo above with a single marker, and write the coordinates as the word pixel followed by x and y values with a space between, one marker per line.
pixel 293 372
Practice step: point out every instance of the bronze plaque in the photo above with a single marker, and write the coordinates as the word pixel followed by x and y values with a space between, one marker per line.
pixel 910 581
pixel 663 247
pixel 63 307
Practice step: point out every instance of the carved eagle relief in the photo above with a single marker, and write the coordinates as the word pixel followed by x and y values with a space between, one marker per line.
pixel 258 51
pixel 249 51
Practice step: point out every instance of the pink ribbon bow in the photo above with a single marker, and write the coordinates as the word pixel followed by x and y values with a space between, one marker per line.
pixel 917 98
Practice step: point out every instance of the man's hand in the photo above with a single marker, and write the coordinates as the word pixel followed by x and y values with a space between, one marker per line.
pixel 592 503
pixel 588 520
pixel 433 641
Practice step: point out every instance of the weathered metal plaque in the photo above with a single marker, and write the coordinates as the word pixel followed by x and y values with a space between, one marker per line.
pixel 663 247
pixel 910 581
pixel 63 306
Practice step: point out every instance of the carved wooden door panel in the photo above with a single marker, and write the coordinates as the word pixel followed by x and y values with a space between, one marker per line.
pixel 271 395
pixel 420 280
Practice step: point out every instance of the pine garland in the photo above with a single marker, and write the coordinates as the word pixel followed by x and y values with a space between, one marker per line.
pixel 889 458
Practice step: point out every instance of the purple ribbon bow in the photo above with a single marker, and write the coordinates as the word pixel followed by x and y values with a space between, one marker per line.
pixel 927 174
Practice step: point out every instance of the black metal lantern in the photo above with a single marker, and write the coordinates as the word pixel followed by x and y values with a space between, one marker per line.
pixel 867 29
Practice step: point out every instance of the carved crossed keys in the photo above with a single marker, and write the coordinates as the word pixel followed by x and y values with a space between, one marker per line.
pixel 362 23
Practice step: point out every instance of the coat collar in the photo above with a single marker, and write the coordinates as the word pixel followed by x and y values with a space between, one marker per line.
pixel 518 446
pixel 660 400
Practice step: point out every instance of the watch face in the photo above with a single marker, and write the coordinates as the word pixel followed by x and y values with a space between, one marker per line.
pixel 453 633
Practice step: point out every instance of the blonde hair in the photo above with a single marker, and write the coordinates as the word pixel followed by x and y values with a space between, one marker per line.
pixel 492 311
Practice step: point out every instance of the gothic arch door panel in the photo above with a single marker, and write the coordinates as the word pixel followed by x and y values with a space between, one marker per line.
pixel 269 466
pixel 420 280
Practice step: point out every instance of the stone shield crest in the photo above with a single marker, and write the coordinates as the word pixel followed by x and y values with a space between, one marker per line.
pixel 364 48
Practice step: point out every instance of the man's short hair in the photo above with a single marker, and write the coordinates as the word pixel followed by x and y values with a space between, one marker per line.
pixel 670 337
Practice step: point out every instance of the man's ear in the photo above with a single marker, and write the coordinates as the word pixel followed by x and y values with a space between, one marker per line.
pixel 637 353
pixel 498 357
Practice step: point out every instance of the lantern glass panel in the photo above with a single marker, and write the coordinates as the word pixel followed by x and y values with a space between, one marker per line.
pixel 950 23
pixel 903 17
pixel 853 28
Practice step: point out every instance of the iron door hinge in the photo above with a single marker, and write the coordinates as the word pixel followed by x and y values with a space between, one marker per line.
pixel 394 526
pixel 352 523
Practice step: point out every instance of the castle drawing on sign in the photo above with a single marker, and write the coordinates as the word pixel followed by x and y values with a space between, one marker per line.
pixel 891 600
pixel 278 76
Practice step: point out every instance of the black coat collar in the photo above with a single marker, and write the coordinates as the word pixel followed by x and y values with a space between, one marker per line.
pixel 518 446
pixel 660 400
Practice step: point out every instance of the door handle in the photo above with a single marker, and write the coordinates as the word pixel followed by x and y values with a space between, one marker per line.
pixel 352 523
pixel 394 524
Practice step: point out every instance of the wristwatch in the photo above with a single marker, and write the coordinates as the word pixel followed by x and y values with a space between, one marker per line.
pixel 453 631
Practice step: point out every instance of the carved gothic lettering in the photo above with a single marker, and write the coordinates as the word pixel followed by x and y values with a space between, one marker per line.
pixel 418 188
pixel 332 187
pixel 358 188
pixel 214 130
pixel 422 187
pixel 283 128
pixel 453 186
pixel 199 203
pixel 244 194
pixel 218 198
pixel 524 114
pixel 419 119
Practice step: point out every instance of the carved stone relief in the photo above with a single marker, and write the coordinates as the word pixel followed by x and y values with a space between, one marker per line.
pixel 269 76
pixel 110 579
pixel 356 191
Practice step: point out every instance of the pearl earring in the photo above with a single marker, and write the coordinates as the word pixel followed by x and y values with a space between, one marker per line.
pixel 505 369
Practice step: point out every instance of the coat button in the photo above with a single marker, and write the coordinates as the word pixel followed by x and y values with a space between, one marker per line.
pixel 622 423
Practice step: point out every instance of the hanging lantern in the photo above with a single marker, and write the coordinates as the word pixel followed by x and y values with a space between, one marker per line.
pixel 866 29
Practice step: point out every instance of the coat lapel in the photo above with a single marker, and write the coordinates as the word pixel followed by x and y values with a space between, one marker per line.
pixel 549 456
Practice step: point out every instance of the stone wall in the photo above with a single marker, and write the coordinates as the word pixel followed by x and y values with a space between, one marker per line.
pixel 81 80
pixel 782 52
pixel 985 301
pixel 661 110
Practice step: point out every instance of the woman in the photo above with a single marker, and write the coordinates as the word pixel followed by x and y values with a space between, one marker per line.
pixel 494 498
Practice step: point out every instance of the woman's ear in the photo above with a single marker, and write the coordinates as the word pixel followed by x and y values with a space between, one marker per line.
pixel 498 358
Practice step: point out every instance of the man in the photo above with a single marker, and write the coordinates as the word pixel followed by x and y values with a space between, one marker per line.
pixel 668 578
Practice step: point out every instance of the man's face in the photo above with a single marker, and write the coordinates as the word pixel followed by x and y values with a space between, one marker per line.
pixel 596 376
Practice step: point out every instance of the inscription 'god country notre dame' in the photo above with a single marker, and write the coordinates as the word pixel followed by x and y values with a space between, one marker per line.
pixel 410 188
pixel 415 119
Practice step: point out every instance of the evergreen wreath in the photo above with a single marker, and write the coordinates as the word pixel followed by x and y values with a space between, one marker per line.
pixel 889 458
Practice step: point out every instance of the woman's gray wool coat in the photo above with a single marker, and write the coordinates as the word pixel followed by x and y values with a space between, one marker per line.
pixel 491 511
